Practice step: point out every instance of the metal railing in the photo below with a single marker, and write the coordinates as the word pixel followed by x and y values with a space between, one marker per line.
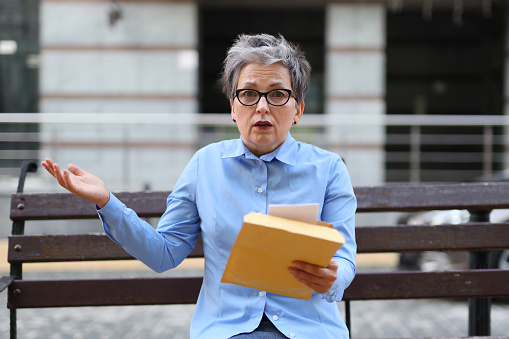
pixel 416 148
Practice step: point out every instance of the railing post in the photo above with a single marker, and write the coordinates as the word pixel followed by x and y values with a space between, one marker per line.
pixel 487 151
pixel 415 154
pixel 479 309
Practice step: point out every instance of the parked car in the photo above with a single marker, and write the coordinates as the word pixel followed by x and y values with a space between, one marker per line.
pixel 439 261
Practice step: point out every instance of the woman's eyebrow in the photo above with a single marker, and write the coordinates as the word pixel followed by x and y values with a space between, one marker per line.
pixel 274 84
pixel 277 84
pixel 248 83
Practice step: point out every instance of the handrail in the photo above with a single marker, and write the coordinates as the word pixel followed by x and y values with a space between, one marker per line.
pixel 411 144
pixel 221 119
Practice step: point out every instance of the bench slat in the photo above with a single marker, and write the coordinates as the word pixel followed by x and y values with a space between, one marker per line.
pixel 103 292
pixel 425 197
pixel 162 291
pixel 422 285
pixel 372 239
pixel 409 238
pixel 72 247
pixel 479 196
pixel 49 206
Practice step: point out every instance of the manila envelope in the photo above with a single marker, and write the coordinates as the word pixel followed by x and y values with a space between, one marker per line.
pixel 267 246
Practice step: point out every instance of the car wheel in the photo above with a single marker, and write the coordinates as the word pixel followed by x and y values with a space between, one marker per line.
pixel 500 259
pixel 409 261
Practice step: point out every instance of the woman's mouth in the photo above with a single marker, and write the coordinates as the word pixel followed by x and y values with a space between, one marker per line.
pixel 263 124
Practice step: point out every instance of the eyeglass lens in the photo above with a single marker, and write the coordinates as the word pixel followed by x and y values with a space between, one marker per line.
pixel 275 97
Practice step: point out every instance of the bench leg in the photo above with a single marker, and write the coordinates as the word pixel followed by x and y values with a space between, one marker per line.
pixel 348 318
pixel 479 309
pixel 479 317
pixel 14 331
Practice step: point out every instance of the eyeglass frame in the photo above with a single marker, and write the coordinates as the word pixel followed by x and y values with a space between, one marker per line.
pixel 263 94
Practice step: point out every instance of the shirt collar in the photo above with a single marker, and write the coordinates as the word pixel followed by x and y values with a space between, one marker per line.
pixel 286 153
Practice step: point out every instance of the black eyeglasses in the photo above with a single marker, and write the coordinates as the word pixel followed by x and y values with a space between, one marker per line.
pixel 276 97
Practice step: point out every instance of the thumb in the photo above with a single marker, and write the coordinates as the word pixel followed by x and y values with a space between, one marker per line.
pixel 76 170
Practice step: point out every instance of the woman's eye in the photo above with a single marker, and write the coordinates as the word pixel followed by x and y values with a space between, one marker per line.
pixel 249 94
pixel 277 94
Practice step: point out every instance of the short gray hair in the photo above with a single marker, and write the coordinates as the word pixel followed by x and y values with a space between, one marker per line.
pixel 266 50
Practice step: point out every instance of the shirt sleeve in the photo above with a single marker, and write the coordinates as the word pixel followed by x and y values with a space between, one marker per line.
pixel 178 229
pixel 339 209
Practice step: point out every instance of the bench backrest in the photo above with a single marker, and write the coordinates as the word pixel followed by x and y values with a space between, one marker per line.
pixel 476 236
pixel 479 198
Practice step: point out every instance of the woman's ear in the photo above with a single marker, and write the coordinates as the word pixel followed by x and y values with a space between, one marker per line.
pixel 234 115
pixel 300 111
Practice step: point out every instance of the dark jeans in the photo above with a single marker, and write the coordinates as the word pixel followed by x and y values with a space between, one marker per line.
pixel 266 330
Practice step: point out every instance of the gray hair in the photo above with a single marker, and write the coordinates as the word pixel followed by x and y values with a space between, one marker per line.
pixel 266 50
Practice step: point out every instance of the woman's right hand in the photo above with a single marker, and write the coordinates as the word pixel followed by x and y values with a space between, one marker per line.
pixel 79 183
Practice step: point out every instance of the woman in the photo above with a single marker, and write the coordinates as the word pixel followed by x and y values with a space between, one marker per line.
pixel 266 79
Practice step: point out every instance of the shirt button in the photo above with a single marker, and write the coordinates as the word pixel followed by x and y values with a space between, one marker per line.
pixel 260 190
pixel 260 162
pixel 260 294
pixel 274 317
pixel 292 335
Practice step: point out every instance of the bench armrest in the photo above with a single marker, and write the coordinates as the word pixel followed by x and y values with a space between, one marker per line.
pixel 5 282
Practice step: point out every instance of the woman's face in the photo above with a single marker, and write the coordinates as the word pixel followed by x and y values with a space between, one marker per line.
pixel 264 127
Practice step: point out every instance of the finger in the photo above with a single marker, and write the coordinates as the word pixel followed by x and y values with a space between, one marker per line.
pixel 333 264
pixel 305 277
pixel 76 170
pixel 48 165
pixel 49 161
pixel 316 270
pixel 301 276
pixel 67 180
pixel 313 274
pixel 307 267
pixel 58 175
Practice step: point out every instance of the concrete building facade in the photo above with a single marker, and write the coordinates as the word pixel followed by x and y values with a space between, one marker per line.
pixel 129 57
pixel 143 57
pixel 372 60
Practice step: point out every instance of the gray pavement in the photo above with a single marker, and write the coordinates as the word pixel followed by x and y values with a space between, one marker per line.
pixel 370 319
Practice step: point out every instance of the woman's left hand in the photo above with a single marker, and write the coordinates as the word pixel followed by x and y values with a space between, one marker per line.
pixel 320 279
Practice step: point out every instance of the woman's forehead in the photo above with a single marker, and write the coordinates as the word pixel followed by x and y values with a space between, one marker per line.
pixel 257 74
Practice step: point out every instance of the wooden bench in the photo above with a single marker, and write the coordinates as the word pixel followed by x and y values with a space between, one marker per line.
pixel 477 236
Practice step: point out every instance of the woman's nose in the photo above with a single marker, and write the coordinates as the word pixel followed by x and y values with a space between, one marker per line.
pixel 262 106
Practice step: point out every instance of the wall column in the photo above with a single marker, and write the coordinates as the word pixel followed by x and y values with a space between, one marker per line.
pixel 355 87
pixel 135 57
pixel 506 91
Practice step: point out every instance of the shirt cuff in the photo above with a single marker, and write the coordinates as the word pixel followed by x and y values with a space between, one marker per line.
pixel 346 273
pixel 109 215
pixel 112 208
pixel 334 294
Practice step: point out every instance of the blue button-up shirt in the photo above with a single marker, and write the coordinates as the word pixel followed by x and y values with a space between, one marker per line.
pixel 222 183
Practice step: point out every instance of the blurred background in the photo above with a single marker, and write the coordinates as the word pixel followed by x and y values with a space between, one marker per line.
pixel 403 90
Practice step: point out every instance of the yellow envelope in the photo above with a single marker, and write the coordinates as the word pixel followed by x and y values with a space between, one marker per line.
pixel 267 246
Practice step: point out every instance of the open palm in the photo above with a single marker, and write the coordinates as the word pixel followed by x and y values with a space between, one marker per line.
pixel 79 182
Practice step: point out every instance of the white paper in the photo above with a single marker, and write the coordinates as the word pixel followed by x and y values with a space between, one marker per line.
pixel 300 212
